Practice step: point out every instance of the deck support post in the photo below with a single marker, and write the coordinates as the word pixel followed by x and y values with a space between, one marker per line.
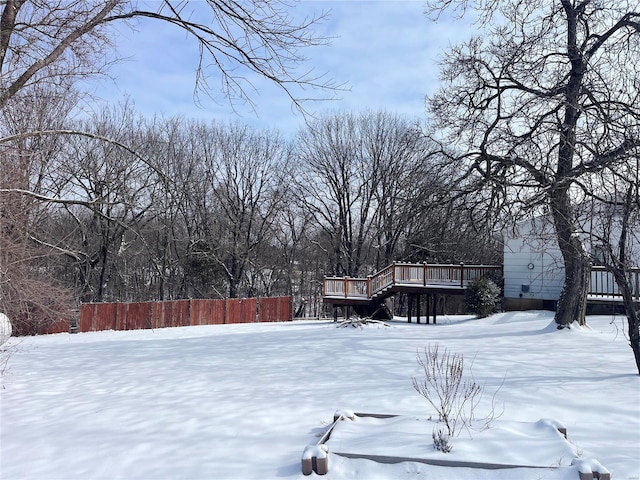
pixel 409 306
pixel 418 308
pixel 435 307
pixel 428 308
pixel 335 313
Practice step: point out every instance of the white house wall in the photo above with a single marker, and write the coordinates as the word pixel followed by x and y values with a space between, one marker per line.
pixel 532 269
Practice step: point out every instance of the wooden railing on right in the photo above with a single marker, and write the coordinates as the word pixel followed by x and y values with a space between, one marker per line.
pixel 603 285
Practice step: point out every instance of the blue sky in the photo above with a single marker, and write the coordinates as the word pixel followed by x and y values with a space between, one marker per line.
pixel 386 52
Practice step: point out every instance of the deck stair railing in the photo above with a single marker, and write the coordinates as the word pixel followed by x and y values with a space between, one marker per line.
pixel 406 274
pixel 382 280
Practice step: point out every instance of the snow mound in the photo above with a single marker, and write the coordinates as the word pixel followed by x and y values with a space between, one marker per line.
pixel 508 443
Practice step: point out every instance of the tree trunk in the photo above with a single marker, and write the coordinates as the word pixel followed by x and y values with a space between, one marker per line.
pixel 623 277
pixel 633 319
pixel 633 314
pixel 572 304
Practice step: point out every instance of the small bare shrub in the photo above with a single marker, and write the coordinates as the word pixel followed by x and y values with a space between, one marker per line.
pixel 453 396
pixel 441 440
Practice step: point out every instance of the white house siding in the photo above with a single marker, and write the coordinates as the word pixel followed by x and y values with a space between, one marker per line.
pixel 532 257
pixel 533 270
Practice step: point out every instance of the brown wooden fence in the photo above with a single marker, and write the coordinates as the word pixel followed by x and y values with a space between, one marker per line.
pixel 61 326
pixel 273 309
pixel 182 313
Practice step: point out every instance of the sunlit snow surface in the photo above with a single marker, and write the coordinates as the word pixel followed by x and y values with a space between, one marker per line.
pixel 243 401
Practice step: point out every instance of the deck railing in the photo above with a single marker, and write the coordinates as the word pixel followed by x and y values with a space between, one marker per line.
pixel 398 274
pixel 346 287
pixel 436 274
pixel 604 286
pixel 602 283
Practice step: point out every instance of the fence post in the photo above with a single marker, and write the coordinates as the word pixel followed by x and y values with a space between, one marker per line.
pixel 461 274
pixel 424 274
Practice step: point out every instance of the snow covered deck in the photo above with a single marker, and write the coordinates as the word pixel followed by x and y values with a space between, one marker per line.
pixel 405 277
pixel 424 278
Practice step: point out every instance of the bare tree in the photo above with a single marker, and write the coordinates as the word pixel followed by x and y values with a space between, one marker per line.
pixel 344 164
pixel 408 175
pixel 544 99
pixel 615 236
pixel 29 295
pixel 45 47
pixel 198 219
pixel 44 40
pixel 299 257
pixel 621 262
pixel 242 186
pixel 450 229
pixel 376 192
pixel 115 188
pixel 337 183
pixel 166 240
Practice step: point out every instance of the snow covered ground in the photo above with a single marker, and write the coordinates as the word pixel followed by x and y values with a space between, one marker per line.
pixel 243 401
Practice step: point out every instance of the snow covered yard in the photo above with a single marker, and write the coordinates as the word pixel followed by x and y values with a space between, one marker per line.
pixel 243 401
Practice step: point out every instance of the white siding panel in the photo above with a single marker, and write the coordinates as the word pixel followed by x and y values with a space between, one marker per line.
pixel 532 257
pixel 534 264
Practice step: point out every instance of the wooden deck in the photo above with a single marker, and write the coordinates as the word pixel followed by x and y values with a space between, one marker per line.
pixel 418 279
pixel 367 295
pixel 404 277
